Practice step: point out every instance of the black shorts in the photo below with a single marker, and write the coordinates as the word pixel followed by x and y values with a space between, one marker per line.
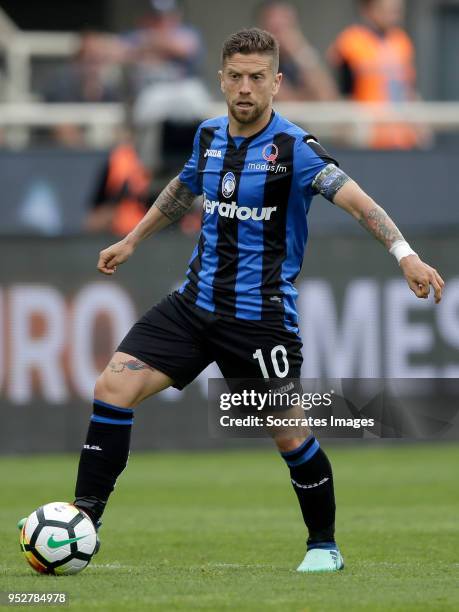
pixel 181 339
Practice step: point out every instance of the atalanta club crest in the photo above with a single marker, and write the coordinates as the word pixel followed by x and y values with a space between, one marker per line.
pixel 228 184
pixel 270 153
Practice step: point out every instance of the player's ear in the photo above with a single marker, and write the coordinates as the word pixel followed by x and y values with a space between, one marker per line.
pixel 220 76
pixel 277 83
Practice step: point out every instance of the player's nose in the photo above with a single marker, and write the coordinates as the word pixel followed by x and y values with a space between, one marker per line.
pixel 245 86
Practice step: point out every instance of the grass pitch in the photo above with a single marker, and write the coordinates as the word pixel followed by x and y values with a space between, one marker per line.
pixel 222 531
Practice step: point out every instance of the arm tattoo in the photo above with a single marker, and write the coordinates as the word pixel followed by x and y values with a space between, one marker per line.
pixel 329 181
pixel 378 223
pixel 175 199
pixel 132 364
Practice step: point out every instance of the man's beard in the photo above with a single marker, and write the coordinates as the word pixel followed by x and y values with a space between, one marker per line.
pixel 248 116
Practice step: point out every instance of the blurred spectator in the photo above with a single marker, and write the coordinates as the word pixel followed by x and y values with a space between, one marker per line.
pixel 90 77
pixel 167 57
pixel 87 78
pixel 122 197
pixel 304 76
pixel 375 63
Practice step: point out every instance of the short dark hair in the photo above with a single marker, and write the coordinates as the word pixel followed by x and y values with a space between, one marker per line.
pixel 251 40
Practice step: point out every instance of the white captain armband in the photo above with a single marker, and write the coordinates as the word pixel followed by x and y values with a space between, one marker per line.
pixel 329 181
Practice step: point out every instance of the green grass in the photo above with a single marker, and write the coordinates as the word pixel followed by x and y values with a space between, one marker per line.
pixel 222 531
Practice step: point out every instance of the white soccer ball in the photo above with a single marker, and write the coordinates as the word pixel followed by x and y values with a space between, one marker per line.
pixel 58 538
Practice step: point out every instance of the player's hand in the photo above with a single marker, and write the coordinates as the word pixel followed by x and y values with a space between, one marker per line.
pixel 113 256
pixel 420 276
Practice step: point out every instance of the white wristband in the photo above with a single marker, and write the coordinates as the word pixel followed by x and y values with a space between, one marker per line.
pixel 401 249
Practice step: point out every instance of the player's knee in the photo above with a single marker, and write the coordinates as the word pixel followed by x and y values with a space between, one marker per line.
pixel 113 391
pixel 102 386
pixel 286 445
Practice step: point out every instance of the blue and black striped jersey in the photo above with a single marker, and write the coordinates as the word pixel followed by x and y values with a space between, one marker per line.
pixel 256 195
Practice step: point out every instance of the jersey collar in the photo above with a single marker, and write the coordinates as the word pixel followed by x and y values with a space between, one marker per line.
pixel 248 139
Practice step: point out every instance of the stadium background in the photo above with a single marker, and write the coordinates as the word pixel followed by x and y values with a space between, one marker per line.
pixel 199 523
pixel 60 320
pixel 431 23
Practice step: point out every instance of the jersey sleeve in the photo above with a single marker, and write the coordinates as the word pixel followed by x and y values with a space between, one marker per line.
pixel 190 175
pixel 310 159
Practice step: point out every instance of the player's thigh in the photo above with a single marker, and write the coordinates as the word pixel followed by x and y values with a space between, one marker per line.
pixel 126 381
pixel 266 357
pixel 163 348
pixel 258 350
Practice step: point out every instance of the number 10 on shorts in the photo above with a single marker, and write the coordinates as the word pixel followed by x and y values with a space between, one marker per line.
pixel 281 370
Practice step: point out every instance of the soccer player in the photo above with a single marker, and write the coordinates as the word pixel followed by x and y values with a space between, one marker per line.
pixel 257 173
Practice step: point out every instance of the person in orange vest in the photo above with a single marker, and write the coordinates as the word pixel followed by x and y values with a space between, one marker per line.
pixel 374 61
pixel 121 201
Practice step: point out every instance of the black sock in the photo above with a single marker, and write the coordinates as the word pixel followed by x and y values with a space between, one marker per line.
pixel 312 479
pixel 104 457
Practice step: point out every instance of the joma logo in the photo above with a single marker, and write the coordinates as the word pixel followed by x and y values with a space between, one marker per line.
pixel 213 153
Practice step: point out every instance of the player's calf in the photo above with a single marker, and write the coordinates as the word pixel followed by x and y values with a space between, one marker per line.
pixel 312 479
pixel 122 385
pixel 103 457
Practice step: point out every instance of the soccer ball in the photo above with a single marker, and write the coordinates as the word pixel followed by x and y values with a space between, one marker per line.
pixel 58 538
